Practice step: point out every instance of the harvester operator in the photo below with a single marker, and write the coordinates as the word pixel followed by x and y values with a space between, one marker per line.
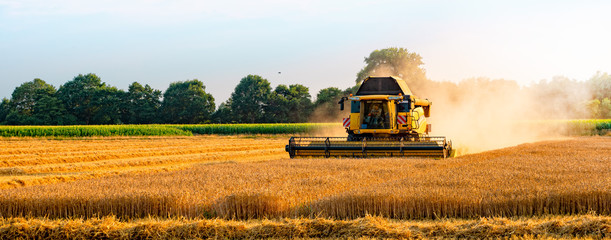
pixel 374 118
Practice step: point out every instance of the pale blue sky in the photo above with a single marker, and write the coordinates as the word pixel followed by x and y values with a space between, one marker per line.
pixel 315 43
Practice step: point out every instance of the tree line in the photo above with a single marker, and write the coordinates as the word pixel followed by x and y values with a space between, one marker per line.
pixel 87 100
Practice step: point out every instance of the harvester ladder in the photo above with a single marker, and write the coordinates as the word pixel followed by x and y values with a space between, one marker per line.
pixel 327 144
pixel 364 147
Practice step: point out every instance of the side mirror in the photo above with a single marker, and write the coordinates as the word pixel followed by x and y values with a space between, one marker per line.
pixel 341 103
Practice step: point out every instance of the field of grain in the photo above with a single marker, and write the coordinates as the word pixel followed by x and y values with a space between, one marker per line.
pixel 32 161
pixel 569 176
pixel 550 227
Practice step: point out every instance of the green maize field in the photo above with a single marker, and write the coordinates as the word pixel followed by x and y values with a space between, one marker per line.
pixel 570 127
pixel 275 128
pixel 160 130
pixel 578 127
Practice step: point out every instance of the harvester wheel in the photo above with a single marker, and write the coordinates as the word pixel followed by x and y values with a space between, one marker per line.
pixel 354 137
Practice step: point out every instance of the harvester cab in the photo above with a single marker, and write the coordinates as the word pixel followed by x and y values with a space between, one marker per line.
pixel 385 119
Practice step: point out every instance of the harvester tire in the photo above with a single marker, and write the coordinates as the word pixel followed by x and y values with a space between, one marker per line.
pixel 354 137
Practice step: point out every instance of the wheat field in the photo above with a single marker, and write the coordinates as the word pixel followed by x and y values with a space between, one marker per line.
pixel 33 161
pixel 569 176
pixel 549 227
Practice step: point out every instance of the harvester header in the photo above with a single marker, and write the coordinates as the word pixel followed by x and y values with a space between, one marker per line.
pixel 385 119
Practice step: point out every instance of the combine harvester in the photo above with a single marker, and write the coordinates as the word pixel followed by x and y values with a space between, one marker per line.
pixel 386 120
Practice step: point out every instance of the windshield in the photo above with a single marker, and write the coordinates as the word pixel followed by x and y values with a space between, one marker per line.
pixel 375 115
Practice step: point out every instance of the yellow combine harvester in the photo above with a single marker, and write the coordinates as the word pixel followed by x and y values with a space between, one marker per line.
pixel 386 120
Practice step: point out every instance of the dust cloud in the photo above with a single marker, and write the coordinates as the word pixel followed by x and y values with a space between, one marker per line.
pixel 330 113
pixel 482 114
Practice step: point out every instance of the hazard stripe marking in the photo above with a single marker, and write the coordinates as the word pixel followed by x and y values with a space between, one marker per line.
pixel 346 122
pixel 401 119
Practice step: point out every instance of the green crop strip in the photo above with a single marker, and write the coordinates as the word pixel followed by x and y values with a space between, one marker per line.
pixel 571 127
pixel 160 130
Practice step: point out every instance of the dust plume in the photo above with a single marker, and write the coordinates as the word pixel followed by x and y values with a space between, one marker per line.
pixel 481 114
pixel 330 113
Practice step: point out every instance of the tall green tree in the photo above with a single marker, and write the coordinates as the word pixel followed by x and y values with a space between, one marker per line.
pixel 108 105
pixel 49 110
pixel 187 102
pixel 88 100
pixel 394 61
pixel 289 104
pixel 250 98
pixel 142 104
pixel 328 95
pixel 27 94
pixel 300 102
pixel 78 97
pixel 35 103
pixel 278 106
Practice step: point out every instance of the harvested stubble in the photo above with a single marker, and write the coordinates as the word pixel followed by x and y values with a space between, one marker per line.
pixel 554 177
pixel 583 226
pixel 28 161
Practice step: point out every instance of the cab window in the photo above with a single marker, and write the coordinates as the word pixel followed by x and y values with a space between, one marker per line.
pixel 403 106
pixel 375 115
pixel 355 106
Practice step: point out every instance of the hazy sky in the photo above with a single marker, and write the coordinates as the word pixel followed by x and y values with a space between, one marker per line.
pixel 315 43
